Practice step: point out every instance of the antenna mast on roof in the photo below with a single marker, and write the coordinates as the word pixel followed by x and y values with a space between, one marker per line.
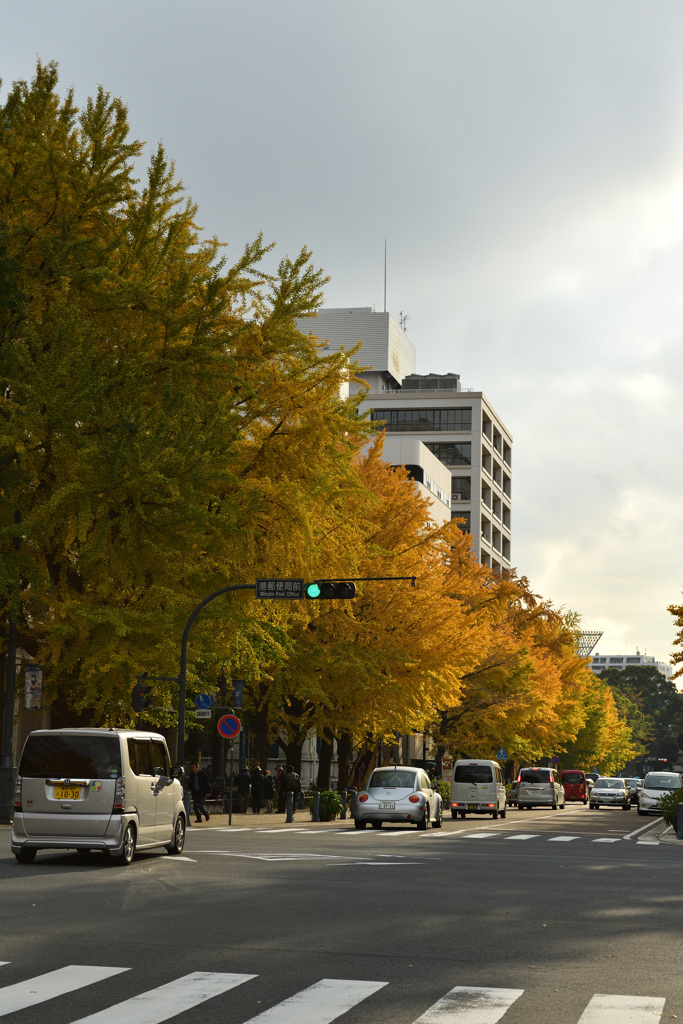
pixel 385 274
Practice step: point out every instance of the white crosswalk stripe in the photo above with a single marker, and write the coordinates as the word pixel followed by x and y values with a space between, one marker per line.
pixel 622 1010
pixel 471 1006
pixel 47 986
pixel 320 1003
pixel 159 1004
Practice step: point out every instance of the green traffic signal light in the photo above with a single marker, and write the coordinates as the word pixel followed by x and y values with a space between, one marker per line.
pixel 329 590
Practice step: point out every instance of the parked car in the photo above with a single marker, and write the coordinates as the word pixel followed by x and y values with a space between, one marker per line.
pixel 575 785
pixel 635 786
pixel 655 785
pixel 539 787
pixel 477 787
pixel 610 792
pixel 96 789
pixel 400 794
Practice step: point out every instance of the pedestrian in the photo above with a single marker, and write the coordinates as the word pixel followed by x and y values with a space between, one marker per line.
pixel 256 790
pixel 268 791
pixel 291 784
pixel 199 786
pixel 243 787
pixel 187 797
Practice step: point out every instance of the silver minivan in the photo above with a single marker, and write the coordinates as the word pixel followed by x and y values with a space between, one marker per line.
pixel 96 789
pixel 539 787
pixel 477 787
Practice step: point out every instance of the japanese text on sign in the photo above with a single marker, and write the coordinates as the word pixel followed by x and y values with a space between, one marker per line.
pixel 282 589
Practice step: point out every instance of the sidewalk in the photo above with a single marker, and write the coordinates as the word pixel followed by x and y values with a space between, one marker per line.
pixel 264 820
pixel 659 832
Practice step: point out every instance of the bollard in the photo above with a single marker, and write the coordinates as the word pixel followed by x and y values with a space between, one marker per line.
pixel 679 822
pixel 316 806
pixel 290 806
pixel 342 816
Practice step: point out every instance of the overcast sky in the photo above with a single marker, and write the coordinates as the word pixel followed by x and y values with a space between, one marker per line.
pixel 524 161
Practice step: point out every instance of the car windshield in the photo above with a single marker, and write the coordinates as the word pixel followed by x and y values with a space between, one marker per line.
pixel 662 782
pixel 534 775
pixel 473 773
pixel 609 784
pixel 67 757
pixel 391 778
pixel 632 782
pixel 572 777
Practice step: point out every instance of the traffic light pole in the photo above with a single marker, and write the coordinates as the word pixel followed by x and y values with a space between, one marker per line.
pixel 182 677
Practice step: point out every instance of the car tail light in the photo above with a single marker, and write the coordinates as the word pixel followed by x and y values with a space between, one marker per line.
pixel 119 795
pixel 414 799
pixel 490 805
pixel 519 779
pixel 17 795
pixel 456 804
pixel 362 798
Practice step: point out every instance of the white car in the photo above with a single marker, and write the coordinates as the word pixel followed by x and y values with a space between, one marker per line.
pixel 655 786
pixel 539 787
pixel 610 792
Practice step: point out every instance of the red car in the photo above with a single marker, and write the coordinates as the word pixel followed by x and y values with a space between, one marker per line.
pixel 575 784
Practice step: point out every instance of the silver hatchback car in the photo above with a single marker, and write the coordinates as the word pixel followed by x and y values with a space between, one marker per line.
pixel 96 789
pixel 401 794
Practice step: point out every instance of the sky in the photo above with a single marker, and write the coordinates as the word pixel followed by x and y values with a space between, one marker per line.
pixel 523 161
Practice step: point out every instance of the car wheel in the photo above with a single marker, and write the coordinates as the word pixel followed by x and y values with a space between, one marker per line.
pixel 463 815
pixel 585 802
pixel 642 813
pixel 26 856
pixel 594 807
pixel 626 807
pixel 494 812
pixel 503 812
pixel 128 847
pixel 177 843
pixel 454 814
pixel 360 824
pixel 438 821
pixel 377 824
pixel 422 823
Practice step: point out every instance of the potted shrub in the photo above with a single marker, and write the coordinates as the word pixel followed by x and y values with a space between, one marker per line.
pixel 330 804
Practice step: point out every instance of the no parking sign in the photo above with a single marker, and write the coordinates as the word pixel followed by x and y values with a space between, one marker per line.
pixel 229 726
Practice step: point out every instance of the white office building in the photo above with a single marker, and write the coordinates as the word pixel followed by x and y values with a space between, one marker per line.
pixel 600 662
pixel 457 427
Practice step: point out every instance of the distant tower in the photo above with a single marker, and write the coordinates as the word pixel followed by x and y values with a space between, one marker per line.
pixel 587 641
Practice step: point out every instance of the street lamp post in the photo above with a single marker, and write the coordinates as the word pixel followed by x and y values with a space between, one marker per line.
pixel 182 677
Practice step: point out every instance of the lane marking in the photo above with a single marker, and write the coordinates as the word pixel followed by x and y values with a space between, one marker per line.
pixel 56 983
pixel 622 1010
pixel 480 835
pixel 158 1004
pixel 606 840
pixel 563 839
pixel 463 1005
pixel 637 832
pixel 320 1003
pixel 525 835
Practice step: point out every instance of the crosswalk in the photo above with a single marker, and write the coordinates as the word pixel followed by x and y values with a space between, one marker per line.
pixel 322 1002
pixel 396 834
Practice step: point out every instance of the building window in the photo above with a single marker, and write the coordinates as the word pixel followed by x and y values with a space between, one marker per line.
pixel 456 454
pixel 465 520
pixel 461 488
pixel 421 420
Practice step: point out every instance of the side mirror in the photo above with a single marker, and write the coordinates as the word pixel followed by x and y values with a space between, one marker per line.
pixel 177 771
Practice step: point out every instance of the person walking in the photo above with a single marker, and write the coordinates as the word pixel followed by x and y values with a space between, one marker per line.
pixel 187 797
pixel 256 790
pixel 199 786
pixel 291 784
pixel 268 791
pixel 243 787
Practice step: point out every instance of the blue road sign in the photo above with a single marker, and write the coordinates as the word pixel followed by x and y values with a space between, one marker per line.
pixel 229 726
pixel 203 701
pixel 502 754
pixel 554 760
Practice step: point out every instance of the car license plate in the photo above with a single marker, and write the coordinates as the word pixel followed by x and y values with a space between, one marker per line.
pixel 67 792
pixel 473 807
pixel 387 805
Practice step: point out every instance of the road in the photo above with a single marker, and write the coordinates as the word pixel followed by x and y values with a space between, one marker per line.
pixel 542 918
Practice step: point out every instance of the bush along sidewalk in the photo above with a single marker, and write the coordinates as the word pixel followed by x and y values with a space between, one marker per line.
pixel 668 805
pixel 330 804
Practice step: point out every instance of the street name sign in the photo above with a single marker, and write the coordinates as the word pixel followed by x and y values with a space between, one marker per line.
pixel 229 726
pixel 283 590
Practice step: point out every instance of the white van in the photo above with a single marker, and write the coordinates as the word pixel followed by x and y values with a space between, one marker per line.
pixel 96 789
pixel 477 788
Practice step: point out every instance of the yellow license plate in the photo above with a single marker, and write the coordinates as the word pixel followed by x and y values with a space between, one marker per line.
pixel 67 792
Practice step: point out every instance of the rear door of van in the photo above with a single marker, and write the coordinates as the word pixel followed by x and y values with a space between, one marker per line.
pixel 473 786
pixel 68 782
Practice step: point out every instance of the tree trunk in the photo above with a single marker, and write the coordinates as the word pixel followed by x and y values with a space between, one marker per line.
pixel 344 746
pixel 325 762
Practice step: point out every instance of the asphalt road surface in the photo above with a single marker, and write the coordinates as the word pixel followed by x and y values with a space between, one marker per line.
pixel 563 917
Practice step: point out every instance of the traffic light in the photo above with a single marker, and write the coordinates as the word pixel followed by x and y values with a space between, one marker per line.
pixel 142 696
pixel 326 590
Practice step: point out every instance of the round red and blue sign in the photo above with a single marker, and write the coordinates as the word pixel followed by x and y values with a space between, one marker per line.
pixel 229 726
